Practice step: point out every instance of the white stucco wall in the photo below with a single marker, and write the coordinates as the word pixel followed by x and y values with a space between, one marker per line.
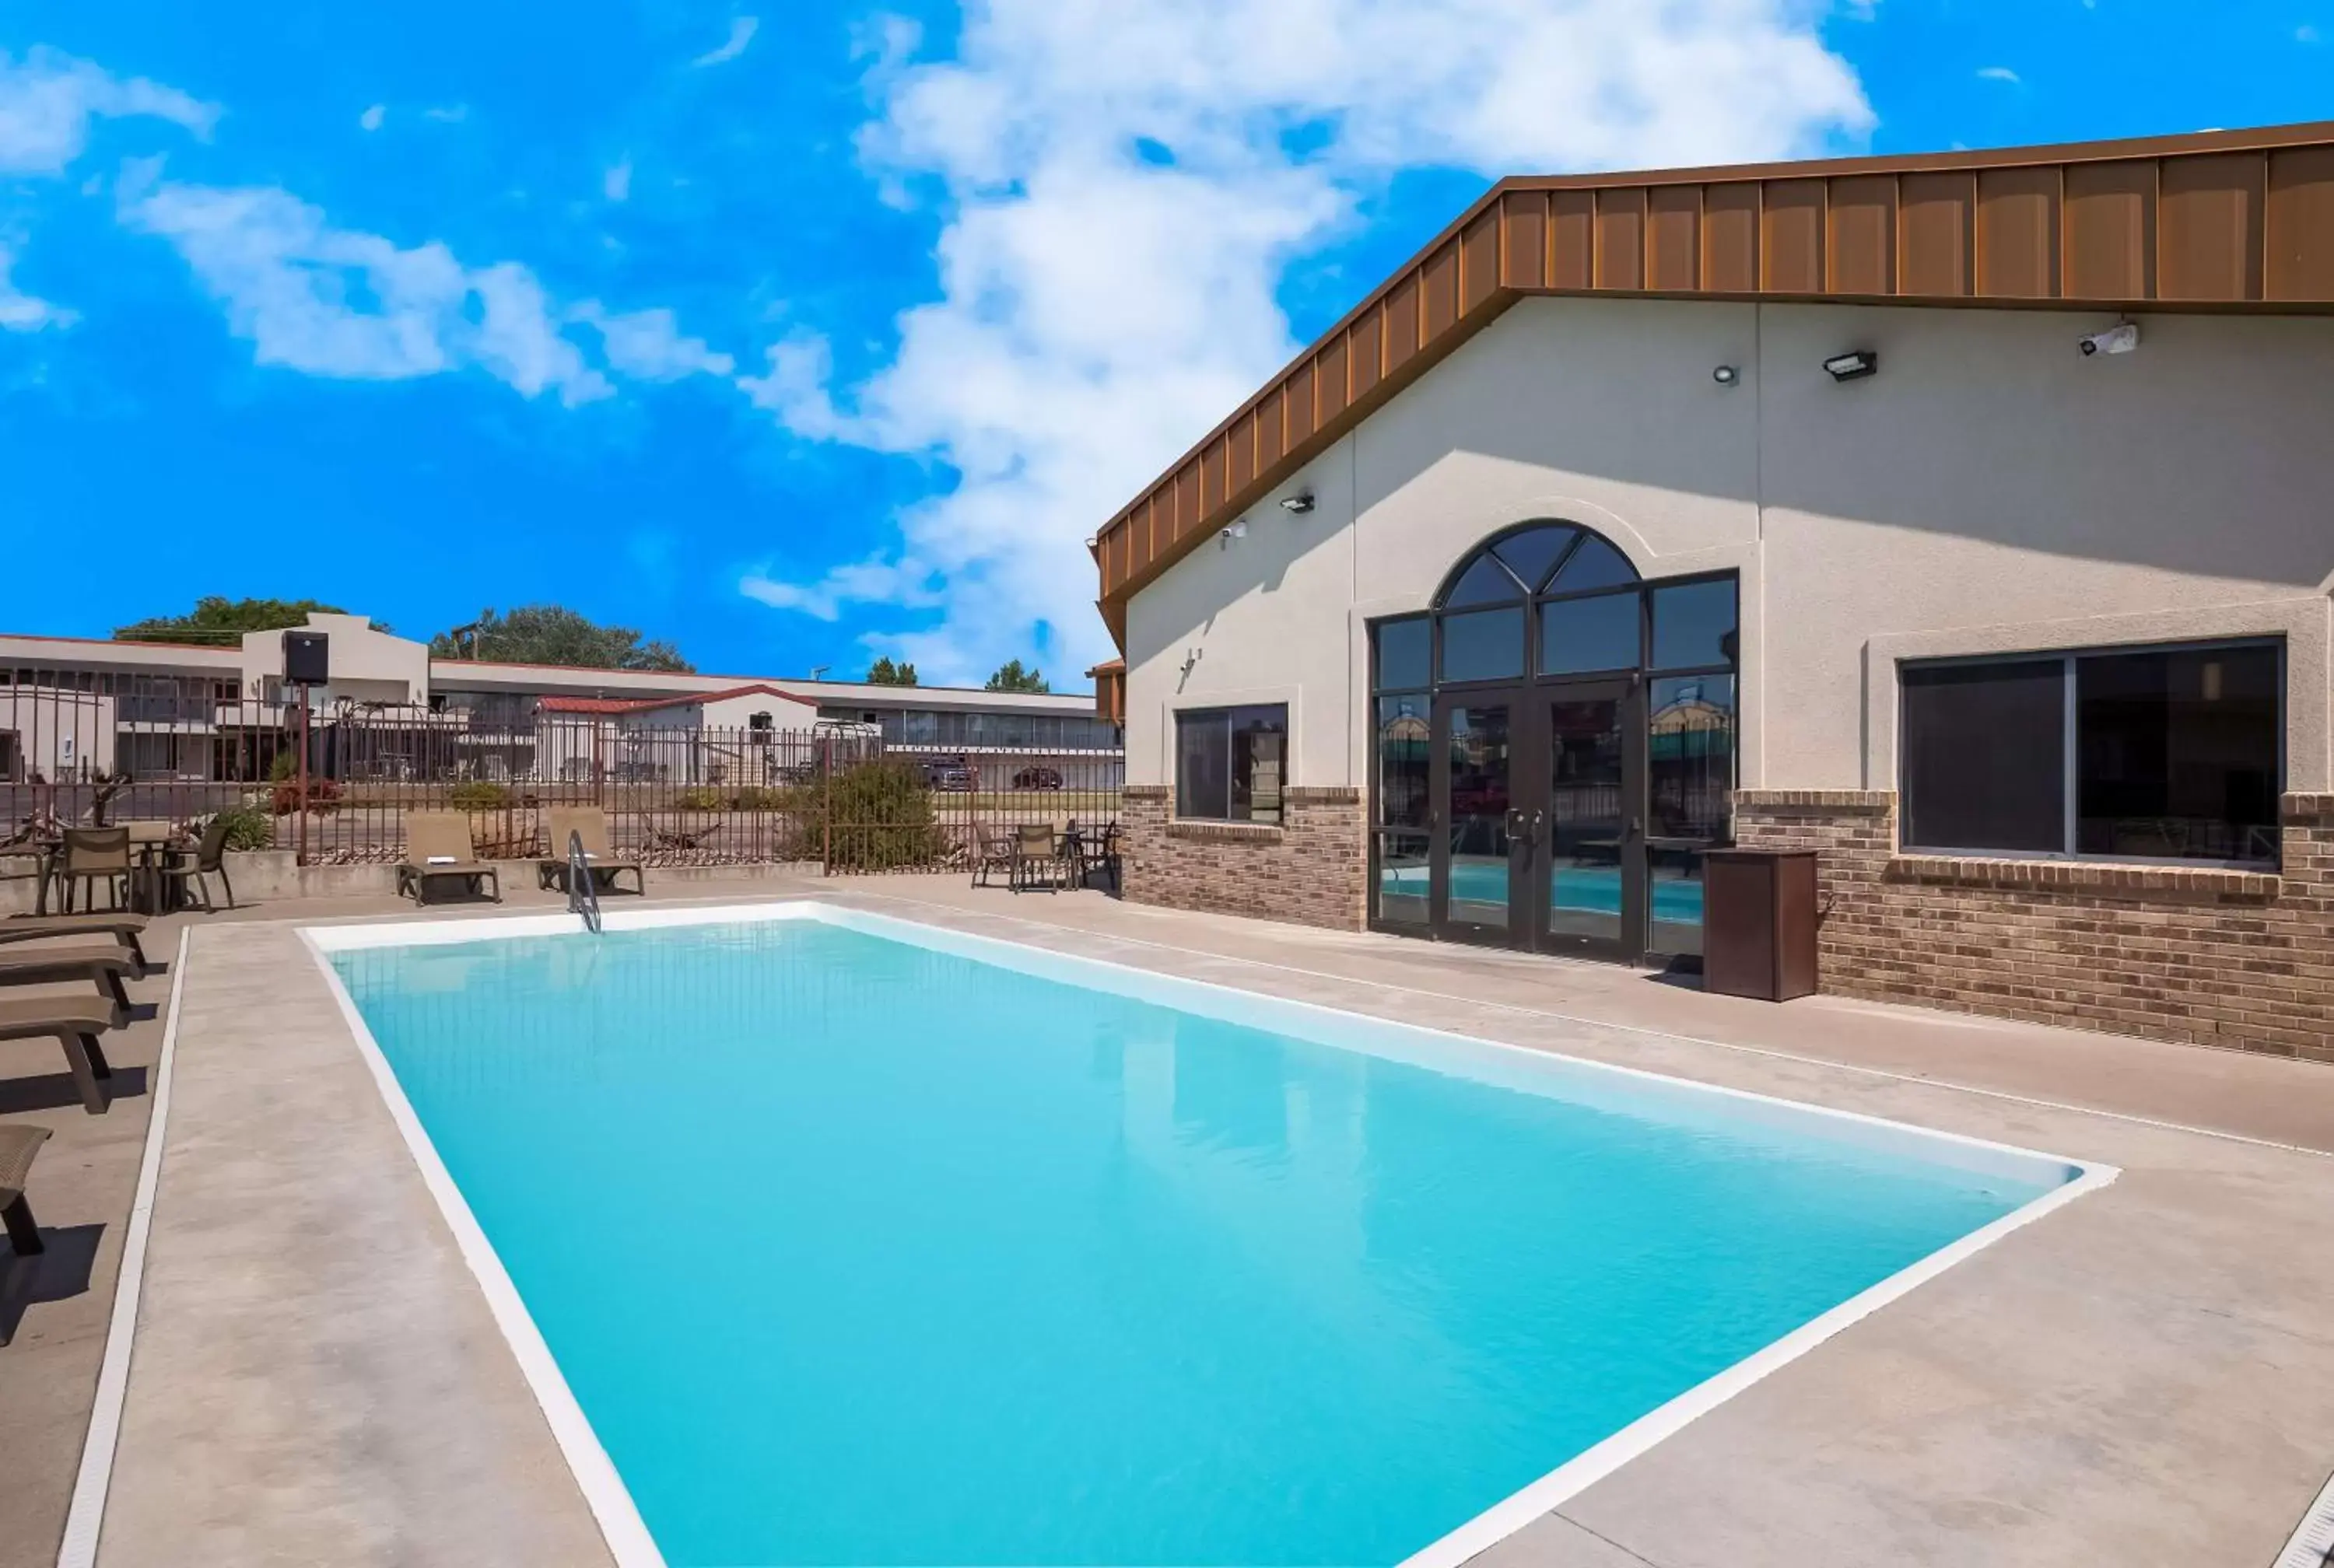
pixel 1990 489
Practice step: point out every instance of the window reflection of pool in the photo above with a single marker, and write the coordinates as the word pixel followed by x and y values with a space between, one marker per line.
pixel 1594 891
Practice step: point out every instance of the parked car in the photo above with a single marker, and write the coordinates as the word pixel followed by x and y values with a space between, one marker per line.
pixel 1038 778
pixel 946 772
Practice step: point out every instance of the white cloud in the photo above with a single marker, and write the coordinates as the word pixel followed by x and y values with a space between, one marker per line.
pixel 48 99
pixel 1998 74
pixel 1099 312
pixel 616 184
pixel 334 302
pixel 372 117
pixel 741 34
pixel 649 345
pixel 20 311
pixel 447 113
pixel 903 584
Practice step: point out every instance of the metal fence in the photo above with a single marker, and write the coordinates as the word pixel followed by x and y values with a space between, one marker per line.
pixel 335 785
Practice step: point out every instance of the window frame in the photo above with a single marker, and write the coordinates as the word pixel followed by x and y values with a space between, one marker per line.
pixel 1226 710
pixel 2070 743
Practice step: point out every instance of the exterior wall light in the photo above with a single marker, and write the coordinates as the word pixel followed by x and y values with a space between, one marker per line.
pixel 1853 367
pixel 1301 502
pixel 1727 376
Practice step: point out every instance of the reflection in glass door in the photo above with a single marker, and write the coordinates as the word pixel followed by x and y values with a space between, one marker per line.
pixel 1474 881
pixel 1590 866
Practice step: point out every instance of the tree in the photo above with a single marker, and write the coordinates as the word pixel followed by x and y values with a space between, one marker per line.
pixel 549 634
pixel 217 619
pixel 883 672
pixel 1011 677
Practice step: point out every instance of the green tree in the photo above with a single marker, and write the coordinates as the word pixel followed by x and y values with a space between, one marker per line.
pixel 883 672
pixel 549 634
pixel 217 619
pixel 1011 677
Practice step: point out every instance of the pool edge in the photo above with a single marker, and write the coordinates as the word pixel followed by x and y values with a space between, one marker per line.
pixel 622 1528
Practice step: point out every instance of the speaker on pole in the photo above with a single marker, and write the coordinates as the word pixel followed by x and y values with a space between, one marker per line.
pixel 306 661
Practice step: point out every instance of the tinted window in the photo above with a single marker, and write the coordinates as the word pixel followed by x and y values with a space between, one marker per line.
pixel 1405 735
pixel 1531 554
pixel 1487 645
pixel 1985 755
pixel 1486 582
pixel 1580 635
pixel 1690 755
pixel 1231 764
pixel 1594 564
pixel 1693 625
pixel 1405 652
pixel 2178 754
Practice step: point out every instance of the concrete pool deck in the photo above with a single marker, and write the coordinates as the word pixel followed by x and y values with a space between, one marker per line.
pixel 2140 1378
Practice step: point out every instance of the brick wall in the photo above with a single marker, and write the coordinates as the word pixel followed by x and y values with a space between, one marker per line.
pixel 2209 957
pixel 1311 871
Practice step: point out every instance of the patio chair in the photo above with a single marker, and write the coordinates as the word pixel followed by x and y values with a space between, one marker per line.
pixel 94 855
pixel 209 861
pixel 17 1147
pixel 992 854
pixel 588 824
pixel 74 1022
pixel 123 929
pixel 438 848
pixel 1037 858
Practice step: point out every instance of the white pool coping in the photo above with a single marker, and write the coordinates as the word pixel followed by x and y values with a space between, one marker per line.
pixel 627 1535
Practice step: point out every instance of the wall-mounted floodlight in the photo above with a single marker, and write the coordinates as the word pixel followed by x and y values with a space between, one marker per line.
pixel 1727 376
pixel 1302 502
pixel 1853 367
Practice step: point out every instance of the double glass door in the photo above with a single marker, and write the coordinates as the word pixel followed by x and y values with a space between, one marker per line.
pixel 1537 803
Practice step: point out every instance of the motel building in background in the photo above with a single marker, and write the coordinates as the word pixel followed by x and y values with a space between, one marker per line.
pixel 1967 518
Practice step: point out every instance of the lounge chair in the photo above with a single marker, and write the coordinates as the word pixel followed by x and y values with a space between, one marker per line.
pixel 17 1147
pixel 438 846
pixel 37 966
pixel 209 861
pixel 588 824
pixel 122 928
pixel 94 855
pixel 74 1022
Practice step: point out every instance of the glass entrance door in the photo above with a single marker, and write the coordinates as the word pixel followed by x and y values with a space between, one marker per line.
pixel 1590 868
pixel 1478 893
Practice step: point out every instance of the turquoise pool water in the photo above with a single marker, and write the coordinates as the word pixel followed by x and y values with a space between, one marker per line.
pixel 854 1251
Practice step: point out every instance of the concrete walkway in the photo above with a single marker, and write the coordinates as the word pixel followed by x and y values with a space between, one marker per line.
pixel 2141 1378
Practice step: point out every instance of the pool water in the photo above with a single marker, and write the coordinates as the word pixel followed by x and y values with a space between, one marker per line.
pixel 854 1250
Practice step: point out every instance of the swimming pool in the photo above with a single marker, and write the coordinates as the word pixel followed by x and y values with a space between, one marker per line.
pixel 857 1241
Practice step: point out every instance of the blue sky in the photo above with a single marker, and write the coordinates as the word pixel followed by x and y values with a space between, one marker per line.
pixel 799 335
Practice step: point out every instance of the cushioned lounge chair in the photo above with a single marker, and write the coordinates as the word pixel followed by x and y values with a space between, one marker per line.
pixel 438 849
pixel 122 928
pixel 74 1022
pixel 17 1147
pixel 33 964
pixel 588 824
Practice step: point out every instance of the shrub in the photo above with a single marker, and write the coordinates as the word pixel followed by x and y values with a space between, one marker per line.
pixel 751 799
pixel 702 798
pixel 248 827
pixel 479 796
pixel 882 816
pixel 324 798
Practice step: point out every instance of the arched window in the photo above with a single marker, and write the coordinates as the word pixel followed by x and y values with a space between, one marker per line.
pixel 1548 684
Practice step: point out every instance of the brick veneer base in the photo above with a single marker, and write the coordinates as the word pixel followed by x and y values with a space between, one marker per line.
pixel 1309 871
pixel 2210 957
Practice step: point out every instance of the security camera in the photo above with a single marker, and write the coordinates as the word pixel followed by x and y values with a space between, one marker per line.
pixel 2116 339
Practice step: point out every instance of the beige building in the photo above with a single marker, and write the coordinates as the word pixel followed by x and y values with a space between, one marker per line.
pixel 70 707
pixel 1968 519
